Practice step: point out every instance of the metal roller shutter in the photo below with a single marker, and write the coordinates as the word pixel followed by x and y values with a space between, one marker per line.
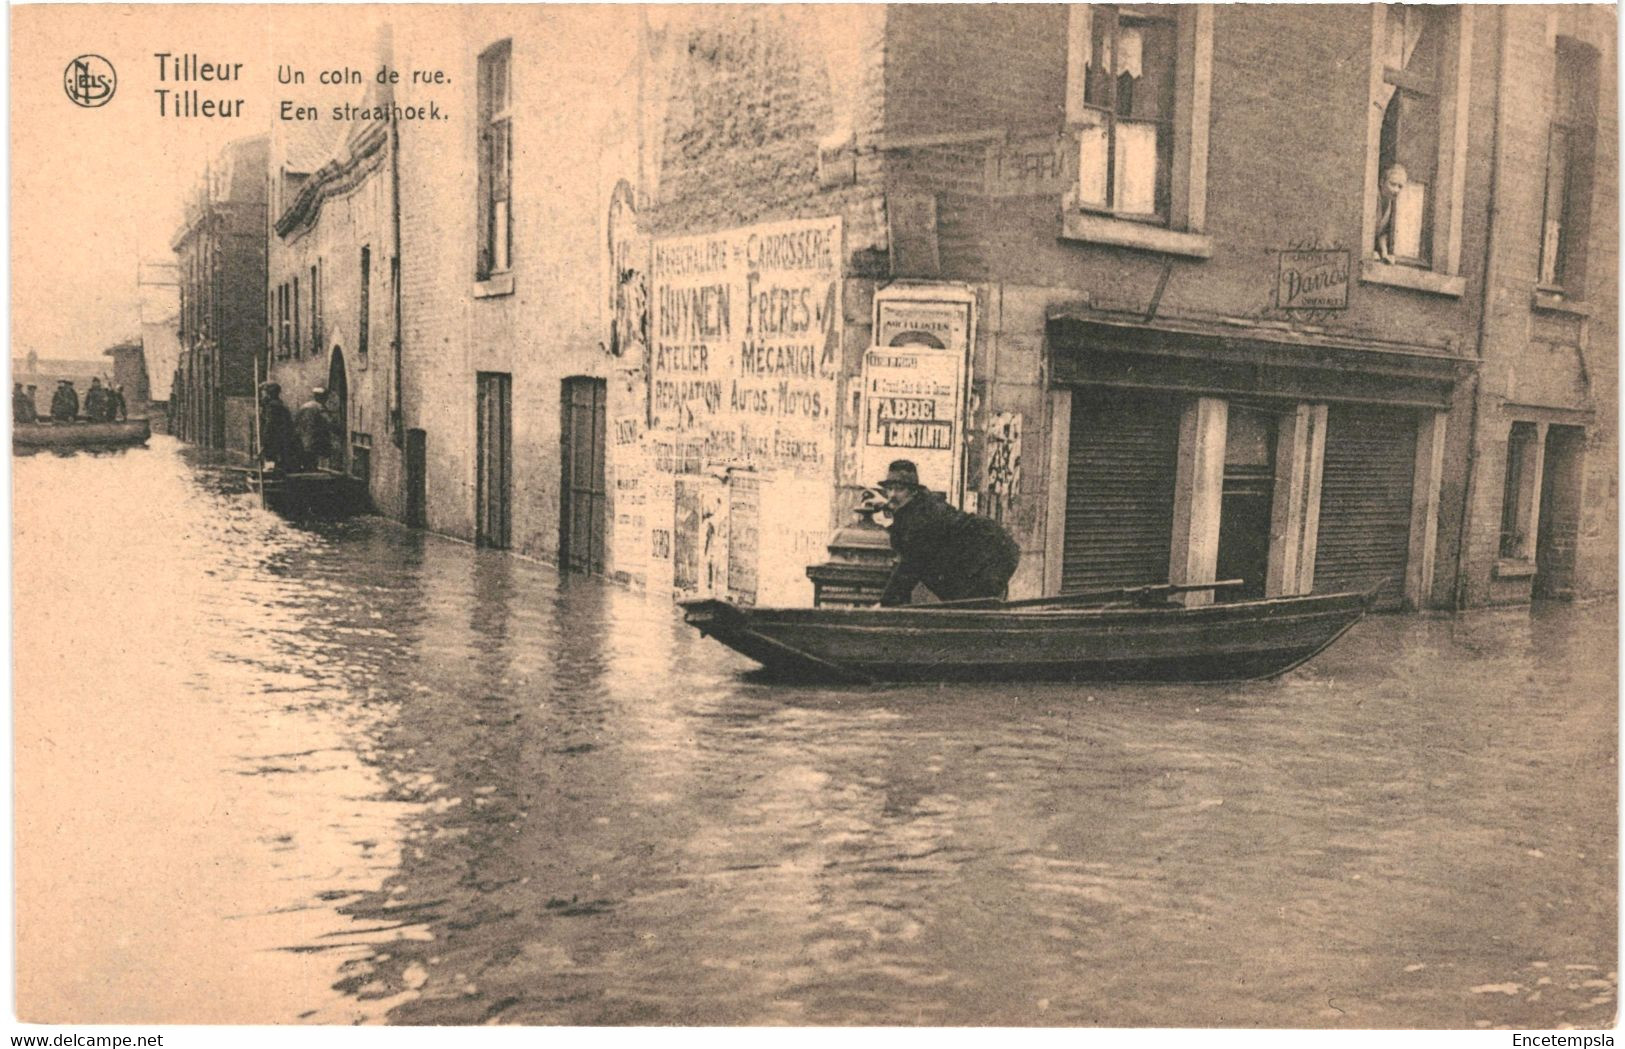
pixel 1365 500
pixel 1120 492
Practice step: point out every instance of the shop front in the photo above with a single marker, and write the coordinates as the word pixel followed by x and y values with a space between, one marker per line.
pixel 1199 452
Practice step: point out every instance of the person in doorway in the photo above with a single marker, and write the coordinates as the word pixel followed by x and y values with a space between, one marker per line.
pixel 955 554
pixel 314 430
pixel 64 402
pixel 279 445
pixel 22 405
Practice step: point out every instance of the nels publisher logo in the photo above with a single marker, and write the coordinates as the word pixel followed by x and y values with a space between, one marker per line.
pixel 90 81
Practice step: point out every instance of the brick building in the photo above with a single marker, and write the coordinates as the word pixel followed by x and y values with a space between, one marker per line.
pixel 220 252
pixel 1178 292
pixel 1542 491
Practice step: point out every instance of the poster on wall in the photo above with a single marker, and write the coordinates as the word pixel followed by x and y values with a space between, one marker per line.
pixel 912 410
pixel 913 401
pixel 744 536
pixel 628 278
pixel 628 464
pixel 745 347
pixel 791 535
pixel 934 316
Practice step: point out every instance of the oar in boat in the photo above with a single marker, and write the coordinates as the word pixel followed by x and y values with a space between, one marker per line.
pixel 1121 593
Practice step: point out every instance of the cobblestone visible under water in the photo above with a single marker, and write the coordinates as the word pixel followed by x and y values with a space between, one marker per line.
pixel 447 786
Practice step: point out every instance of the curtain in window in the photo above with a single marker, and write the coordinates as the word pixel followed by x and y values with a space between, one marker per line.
pixel 1125 148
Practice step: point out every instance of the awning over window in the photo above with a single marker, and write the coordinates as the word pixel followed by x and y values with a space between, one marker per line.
pixel 1236 360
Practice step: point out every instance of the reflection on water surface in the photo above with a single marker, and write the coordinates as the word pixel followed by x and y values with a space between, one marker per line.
pixel 355 772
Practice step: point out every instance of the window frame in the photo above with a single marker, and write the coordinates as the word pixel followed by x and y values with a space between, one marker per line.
pixel 364 308
pixel 491 121
pixel 315 308
pixel 1567 276
pixel 1520 491
pixel 1109 20
pixel 1181 232
pixel 284 326
pixel 1439 273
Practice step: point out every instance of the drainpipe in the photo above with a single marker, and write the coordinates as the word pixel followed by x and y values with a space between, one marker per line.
pixel 397 426
pixel 1486 313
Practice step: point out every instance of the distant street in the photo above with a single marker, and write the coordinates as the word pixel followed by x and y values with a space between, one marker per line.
pixel 268 773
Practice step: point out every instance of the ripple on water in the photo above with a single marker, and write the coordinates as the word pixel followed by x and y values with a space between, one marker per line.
pixel 465 791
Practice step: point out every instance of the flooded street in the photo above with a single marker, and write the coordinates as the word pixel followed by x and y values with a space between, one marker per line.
pixel 350 772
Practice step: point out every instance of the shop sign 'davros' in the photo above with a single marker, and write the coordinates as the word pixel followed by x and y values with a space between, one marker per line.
pixel 1313 280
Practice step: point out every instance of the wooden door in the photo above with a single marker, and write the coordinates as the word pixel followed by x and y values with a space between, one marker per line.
pixel 582 513
pixel 1558 535
pixel 417 478
pixel 493 494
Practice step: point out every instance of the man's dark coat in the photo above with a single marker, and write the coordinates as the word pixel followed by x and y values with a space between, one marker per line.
pixel 64 403
pixel 955 554
pixel 278 443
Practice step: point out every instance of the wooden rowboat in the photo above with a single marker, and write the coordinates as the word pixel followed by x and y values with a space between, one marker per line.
pixel 29 437
pixel 1045 639
pixel 311 493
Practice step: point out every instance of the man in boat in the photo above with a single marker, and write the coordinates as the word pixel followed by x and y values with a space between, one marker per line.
pixel 64 402
pixel 955 554
pixel 96 401
pixel 279 446
pixel 22 405
pixel 315 433
pixel 117 407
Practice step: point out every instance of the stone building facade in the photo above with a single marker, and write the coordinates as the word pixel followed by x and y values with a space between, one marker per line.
pixel 330 306
pixel 1181 292
pixel 1542 491
pixel 220 250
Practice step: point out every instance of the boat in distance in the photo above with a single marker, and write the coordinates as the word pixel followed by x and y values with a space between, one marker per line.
pixel 1042 639
pixel 123 433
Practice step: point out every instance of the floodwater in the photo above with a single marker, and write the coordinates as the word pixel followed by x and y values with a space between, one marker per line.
pixel 344 773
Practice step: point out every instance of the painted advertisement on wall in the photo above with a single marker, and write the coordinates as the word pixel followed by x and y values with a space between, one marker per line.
pixel 745 353
pixel 913 402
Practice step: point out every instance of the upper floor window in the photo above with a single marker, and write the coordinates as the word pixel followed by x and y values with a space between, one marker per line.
pixel 1570 148
pixel 1408 150
pixel 315 311
pixel 284 342
pixel 1418 139
pixel 495 160
pixel 1139 84
pixel 1125 154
